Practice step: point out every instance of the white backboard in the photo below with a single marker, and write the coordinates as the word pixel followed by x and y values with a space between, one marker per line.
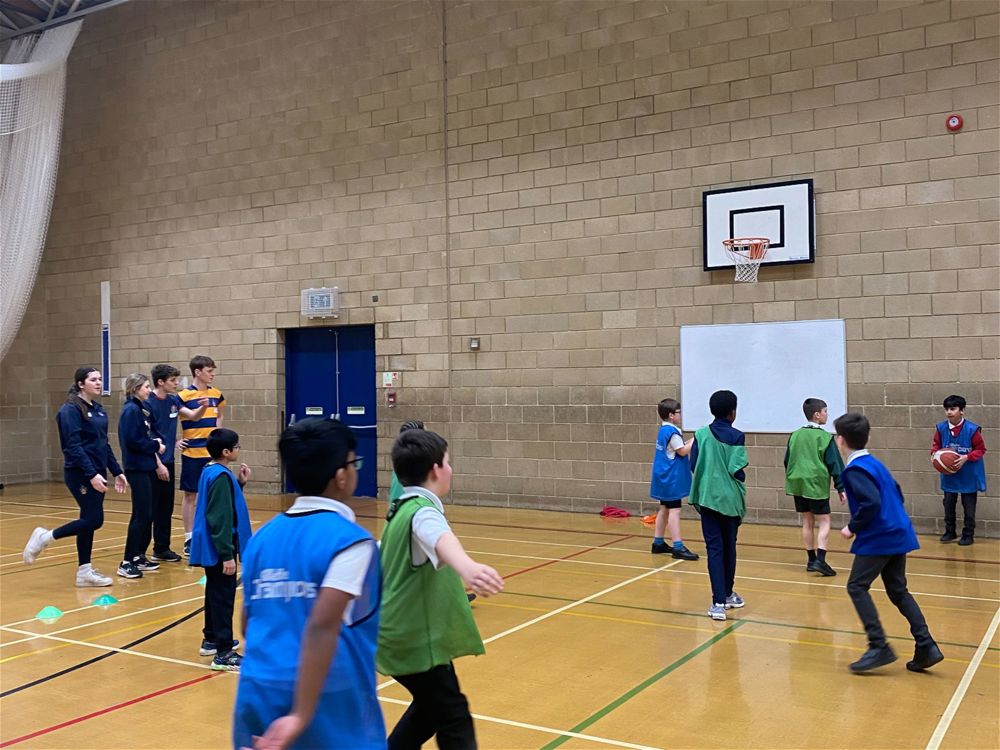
pixel 783 212
pixel 771 367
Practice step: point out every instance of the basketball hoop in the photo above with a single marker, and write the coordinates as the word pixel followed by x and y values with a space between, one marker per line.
pixel 747 253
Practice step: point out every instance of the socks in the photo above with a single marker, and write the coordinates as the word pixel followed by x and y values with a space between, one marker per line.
pixel 47 537
pixel 658 540
pixel 821 555
pixel 812 555
pixel 187 536
pixel 678 545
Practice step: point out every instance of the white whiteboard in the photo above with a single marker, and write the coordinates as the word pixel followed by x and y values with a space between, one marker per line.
pixel 771 367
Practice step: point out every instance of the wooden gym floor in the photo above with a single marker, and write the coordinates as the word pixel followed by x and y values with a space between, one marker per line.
pixel 595 643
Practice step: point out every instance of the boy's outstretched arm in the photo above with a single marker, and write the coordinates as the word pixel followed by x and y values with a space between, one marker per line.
pixel 480 578
pixel 319 644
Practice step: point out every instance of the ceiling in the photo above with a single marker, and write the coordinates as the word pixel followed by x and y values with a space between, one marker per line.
pixel 30 16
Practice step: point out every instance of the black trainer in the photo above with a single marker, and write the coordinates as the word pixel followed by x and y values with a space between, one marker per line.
pixel 145 565
pixel 874 658
pixel 187 548
pixel 167 556
pixel 208 648
pixel 228 662
pixel 926 657
pixel 948 536
pixel 824 569
pixel 965 541
pixel 683 553
pixel 660 548
pixel 128 569
pixel 811 566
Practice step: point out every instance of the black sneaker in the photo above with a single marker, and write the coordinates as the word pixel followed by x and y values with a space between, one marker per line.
pixel 145 565
pixel 208 648
pixel 683 553
pixel 924 658
pixel 660 548
pixel 227 662
pixel 168 556
pixel 874 658
pixel 965 541
pixel 129 570
pixel 824 569
pixel 811 566
pixel 948 536
pixel 187 548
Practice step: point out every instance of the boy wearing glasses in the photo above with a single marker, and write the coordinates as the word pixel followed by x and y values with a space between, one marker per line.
pixel 219 535
pixel 426 618
pixel 311 584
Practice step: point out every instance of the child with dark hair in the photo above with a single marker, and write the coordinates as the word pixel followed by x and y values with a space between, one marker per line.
pixel 718 492
pixel 965 437
pixel 426 618
pixel 811 460
pixel 87 454
pixel 220 535
pixel 311 583
pixel 395 488
pixel 671 480
pixel 883 535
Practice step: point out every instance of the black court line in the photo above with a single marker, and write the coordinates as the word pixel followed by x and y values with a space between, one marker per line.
pixel 102 657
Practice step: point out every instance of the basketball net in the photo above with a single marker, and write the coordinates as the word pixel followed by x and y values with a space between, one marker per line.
pixel 747 253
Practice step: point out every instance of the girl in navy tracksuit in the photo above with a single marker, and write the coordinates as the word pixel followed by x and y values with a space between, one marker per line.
pixel 141 448
pixel 83 436
pixel 883 535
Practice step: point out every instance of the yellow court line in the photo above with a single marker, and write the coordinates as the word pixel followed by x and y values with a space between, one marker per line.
pixel 92 639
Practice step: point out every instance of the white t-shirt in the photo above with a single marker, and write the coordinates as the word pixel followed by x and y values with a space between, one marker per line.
pixel 676 441
pixel 427 527
pixel 348 569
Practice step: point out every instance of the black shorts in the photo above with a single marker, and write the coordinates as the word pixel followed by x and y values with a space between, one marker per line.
pixel 191 469
pixel 672 504
pixel 816 507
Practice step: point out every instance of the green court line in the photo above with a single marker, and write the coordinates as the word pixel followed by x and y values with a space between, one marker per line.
pixel 629 694
pixel 701 616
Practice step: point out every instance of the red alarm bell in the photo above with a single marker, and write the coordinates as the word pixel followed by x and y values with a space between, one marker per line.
pixel 954 123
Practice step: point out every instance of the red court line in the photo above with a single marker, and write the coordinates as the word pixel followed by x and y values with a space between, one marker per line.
pixel 109 709
pixel 567 557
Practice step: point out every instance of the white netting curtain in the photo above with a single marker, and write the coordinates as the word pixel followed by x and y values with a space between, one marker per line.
pixel 32 92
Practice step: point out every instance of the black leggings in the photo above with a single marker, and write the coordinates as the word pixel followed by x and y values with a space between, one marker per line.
pixel 91 518
pixel 140 524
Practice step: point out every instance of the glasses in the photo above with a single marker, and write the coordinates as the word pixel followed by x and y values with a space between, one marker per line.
pixel 357 463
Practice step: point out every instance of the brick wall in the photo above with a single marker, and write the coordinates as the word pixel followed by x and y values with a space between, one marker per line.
pixel 540 190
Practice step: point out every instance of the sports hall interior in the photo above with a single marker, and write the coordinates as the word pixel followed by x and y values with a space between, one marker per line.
pixel 527 175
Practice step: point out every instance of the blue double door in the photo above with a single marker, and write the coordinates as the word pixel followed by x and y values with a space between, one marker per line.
pixel 330 374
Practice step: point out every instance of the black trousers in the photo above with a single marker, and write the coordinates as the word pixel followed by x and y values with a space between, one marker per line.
pixel 220 598
pixel 968 506
pixel 91 518
pixel 720 544
pixel 140 524
pixel 438 708
pixel 163 509
pixel 892 568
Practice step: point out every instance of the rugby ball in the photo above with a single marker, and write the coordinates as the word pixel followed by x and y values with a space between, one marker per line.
pixel 945 461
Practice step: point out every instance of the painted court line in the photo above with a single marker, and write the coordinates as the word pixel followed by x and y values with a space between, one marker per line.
pixel 102 647
pixel 629 694
pixel 91 624
pixel 963 685
pixel 109 709
pixel 537 728
pixel 73 551
pixel 89 607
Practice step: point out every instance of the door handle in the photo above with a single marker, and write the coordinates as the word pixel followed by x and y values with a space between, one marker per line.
pixel 363 426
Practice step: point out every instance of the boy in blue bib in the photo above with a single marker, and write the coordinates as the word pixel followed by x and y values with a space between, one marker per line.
pixel 312 593
pixel 671 480
pixel 965 438
pixel 883 535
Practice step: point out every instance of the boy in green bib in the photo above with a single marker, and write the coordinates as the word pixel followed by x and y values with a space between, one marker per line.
pixel 811 460
pixel 718 493
pixel 426 618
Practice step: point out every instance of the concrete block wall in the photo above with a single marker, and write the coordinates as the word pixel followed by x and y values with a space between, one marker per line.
pixel 530 173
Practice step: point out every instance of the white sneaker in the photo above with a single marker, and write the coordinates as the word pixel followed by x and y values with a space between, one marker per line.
pixel 87 576
pixel 37 543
